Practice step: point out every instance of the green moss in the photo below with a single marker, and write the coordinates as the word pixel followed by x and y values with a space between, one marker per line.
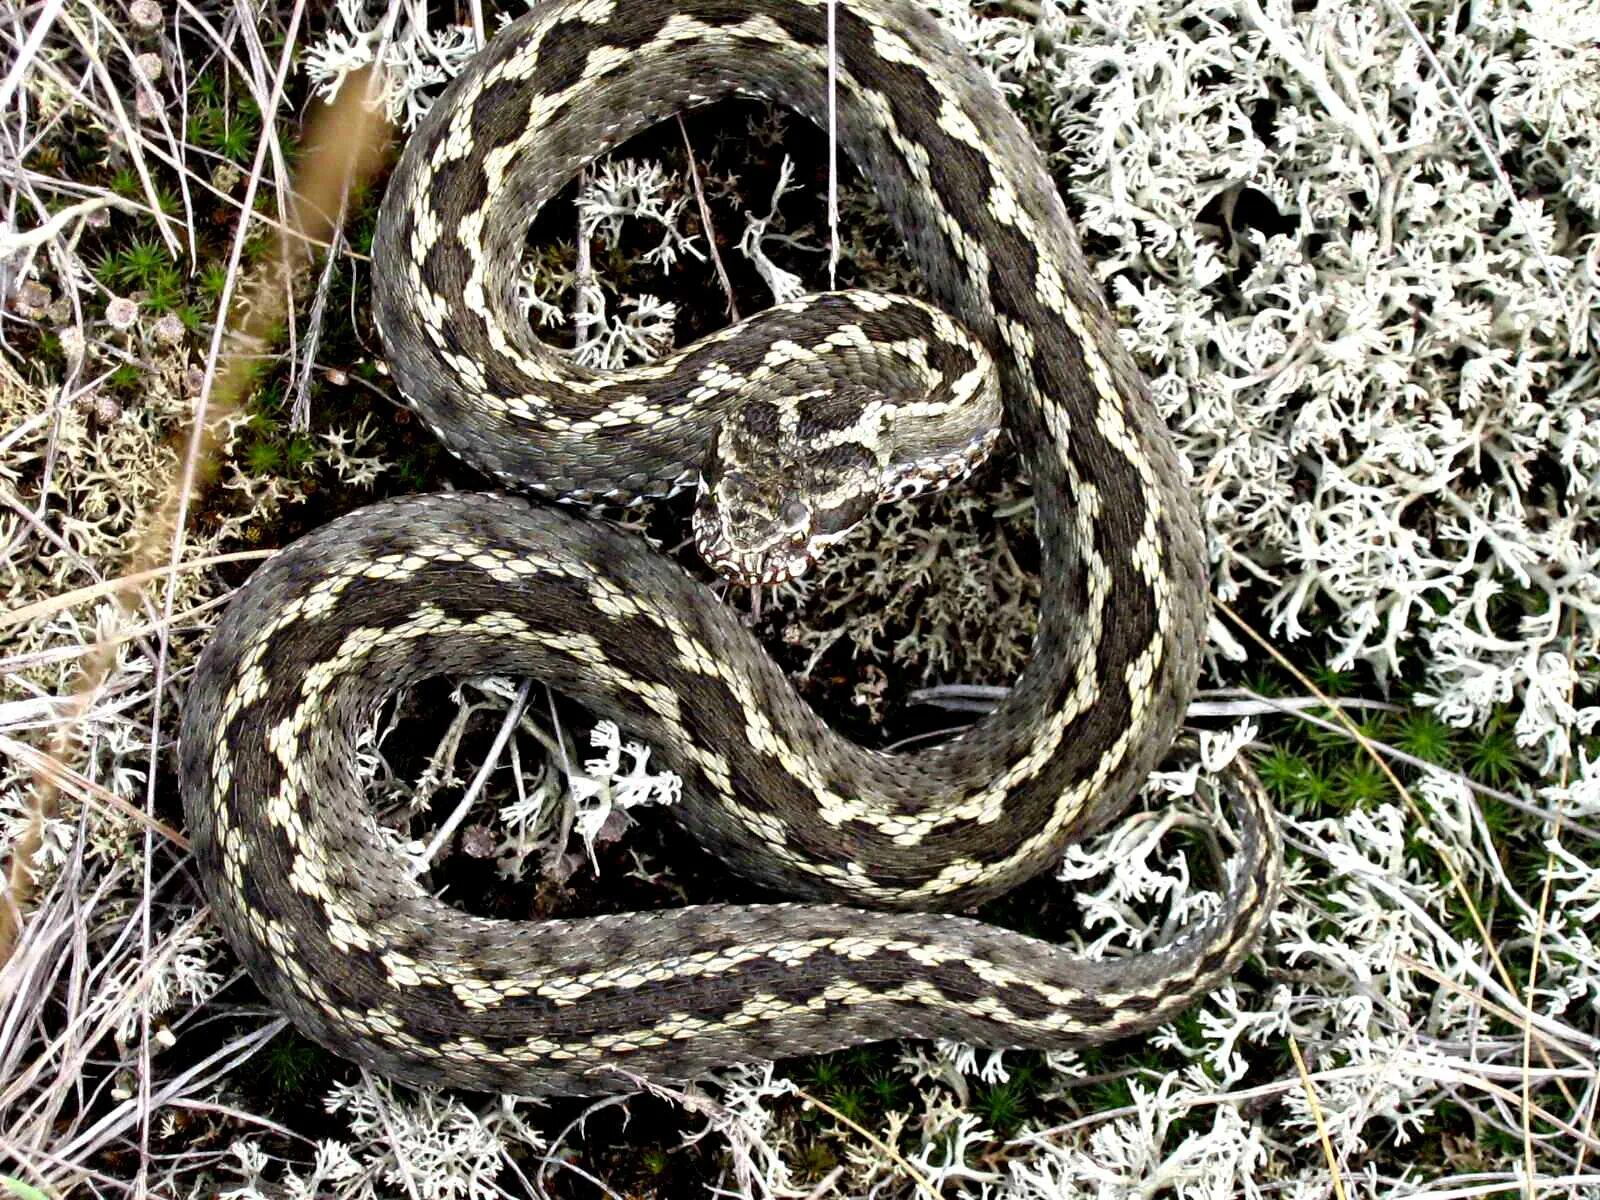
pixel 1283 773
pixel 263 458
pixel 136 266
pixel 48 349
pixel 1332 683
pixel 825 1073
pixel 1424 736
pixel 1360 784
pixel 851 1103
pixel 862 1085
pixel 125 378
pixel 417 468
pixel 230 134
pixel 300 453
pixel 213 279
pixel 1109 1094
pixel 206 88
pixel 164 292
pixel 292 1065
pixel 1265 683
pixel 1004 1106
pixel 1491 757
pixel 889 1090
pixel 816 1159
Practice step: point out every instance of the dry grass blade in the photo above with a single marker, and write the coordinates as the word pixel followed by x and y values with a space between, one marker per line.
pixel 344 146
pixel 45 948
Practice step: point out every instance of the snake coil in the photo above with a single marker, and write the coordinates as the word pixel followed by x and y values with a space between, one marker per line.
pixel 299 874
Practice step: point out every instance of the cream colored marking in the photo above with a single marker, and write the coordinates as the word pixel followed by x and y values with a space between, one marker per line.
pixel 872 302
pixel 594 12
pixel 891 47
pixel 604 60
pixel 959 126
pixel 1005 208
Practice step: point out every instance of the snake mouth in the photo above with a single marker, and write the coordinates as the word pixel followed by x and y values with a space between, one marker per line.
pixel 761 567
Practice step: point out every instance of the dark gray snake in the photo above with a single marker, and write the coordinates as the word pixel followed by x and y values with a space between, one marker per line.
pixel 362 956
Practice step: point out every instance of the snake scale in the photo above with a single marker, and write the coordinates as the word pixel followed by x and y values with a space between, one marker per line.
pixel 361 955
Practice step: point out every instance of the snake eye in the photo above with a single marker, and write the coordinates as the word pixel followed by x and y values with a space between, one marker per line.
pixel 795 514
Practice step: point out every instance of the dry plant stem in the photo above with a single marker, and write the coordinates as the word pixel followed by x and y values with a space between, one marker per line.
pixel 70 1050
pixel 1442 1073
pixel 304 364
pixel 131 132
pixel 705 221
pixel 129 129
pixel 1529 1165
pixel 345 142
pixel 34 521
pixel 120 585
pixel 833 150
pixel 214 194
pixel 28 51
pixel 594 1180
pixel 45 802
pixel 64 779
pixel 209 1072
pixel 884 1148
pixel 554 1160
pixel 1326 1142
pixel 10 243
pixel 394 1141
pixel 36 658
pixel 342 159
pixel 586 289
pixel 490 763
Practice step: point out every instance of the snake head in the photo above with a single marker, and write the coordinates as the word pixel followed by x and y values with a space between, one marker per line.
pixel 779 486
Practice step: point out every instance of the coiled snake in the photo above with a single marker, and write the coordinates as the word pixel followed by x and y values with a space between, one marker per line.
pixel 363 958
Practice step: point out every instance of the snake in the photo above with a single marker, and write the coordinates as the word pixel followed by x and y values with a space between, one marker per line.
pixel 876 857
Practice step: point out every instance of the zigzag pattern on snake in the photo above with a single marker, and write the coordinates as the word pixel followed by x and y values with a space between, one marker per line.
pixel 362 956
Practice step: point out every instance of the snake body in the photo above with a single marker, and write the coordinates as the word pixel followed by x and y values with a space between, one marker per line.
pixel 362 956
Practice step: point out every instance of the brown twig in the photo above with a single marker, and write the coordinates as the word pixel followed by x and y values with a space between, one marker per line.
pixel 705 221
